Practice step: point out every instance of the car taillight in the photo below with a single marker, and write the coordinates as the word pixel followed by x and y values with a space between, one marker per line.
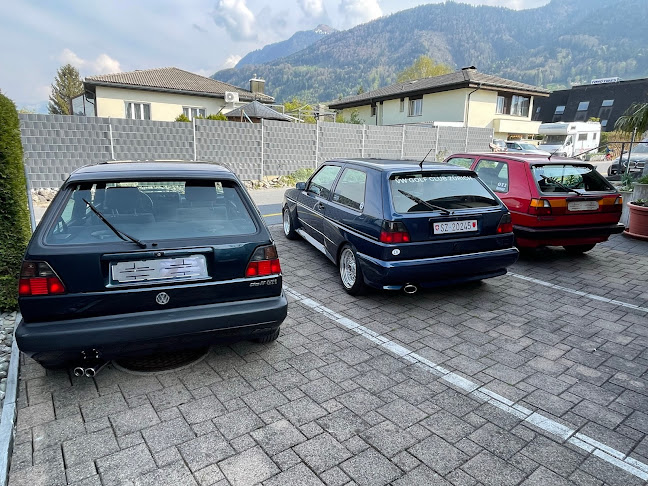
pixel 505 224
pixel 394 232
pixel 264 261
pixel 38 278
pixel 618 201
pixel 541 207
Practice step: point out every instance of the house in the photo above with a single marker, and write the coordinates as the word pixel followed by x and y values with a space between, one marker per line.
pixel 254 112
pixel 606 99
pixel 464 98
pixel 163 94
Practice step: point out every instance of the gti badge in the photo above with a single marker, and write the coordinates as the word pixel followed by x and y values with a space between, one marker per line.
pixel 162 298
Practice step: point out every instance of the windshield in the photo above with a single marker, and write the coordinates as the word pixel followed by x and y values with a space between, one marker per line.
pixel 420 192
pixel 151 211
pixel 553 140
pixel 549 178
pixel 528 146
pixel 641 148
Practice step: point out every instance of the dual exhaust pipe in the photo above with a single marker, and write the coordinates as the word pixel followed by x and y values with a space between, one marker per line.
pixel 91 365
pixel 89 372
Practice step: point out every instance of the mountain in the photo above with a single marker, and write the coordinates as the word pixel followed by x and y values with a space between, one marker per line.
pixel 562 43
pixel 300 40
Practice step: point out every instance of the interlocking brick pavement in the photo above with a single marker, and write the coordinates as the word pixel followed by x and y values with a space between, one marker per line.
pixel 326 406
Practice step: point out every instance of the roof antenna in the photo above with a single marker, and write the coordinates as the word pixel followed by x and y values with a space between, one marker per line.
pixel 421 162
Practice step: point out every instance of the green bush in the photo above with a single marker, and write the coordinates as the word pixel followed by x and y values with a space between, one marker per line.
pixel 14 215
pixel 643 180
pixel 217 116
pixel 182 118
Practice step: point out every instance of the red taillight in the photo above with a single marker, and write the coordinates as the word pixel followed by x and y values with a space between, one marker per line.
pixel 264 262
pixel 38 278
pixel 505 224
pixel 394 232
pixel 541 207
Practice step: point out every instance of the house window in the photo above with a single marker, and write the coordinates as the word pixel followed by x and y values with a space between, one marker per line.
pixel 513 105
pixel 605 111
pixel 192 113
pixel 402 105
pixel 581 113
pixel 604 123
pixel 416 107
pixel 138 111
pixel 559 110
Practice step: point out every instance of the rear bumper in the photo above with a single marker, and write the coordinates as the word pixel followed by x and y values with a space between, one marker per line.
pixel 113 336
pixel 431 272
pixel 579 235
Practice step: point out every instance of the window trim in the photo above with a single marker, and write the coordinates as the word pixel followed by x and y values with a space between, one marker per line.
pixel 133 104
pixel 413 102
pixel 188 111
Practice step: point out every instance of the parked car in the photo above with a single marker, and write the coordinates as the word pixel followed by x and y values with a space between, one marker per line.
pixel 395 225
pixel 553 201
pixel 497 145
pixel 526 148
pixel 638 162
pixel 135 258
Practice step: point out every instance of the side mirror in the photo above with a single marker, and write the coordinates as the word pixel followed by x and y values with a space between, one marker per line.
pixel 301 186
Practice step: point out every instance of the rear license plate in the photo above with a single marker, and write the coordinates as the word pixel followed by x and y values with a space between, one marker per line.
pixel 455 227
pixel 191 267
pixel 583 205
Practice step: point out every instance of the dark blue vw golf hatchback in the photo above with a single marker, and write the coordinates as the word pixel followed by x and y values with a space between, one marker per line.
pixel 396 224
pixel 134 258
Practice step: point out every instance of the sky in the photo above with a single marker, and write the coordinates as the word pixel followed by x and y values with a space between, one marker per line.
pixel 201 36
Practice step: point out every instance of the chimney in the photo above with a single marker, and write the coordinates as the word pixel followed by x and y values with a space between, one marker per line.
pixel 257 86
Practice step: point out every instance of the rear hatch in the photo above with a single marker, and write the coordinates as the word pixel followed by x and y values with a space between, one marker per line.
pixel 191 239
pixel 447 212
pixel 573 194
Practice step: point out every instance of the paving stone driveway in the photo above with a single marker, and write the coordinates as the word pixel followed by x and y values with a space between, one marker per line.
pixel 324 405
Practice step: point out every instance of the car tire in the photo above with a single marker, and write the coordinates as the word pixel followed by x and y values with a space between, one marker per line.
pixel 350 272
pixel 268 338
pixel 578 249
pixel 288 225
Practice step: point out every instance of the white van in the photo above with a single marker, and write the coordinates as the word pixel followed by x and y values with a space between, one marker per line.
pixel 570 139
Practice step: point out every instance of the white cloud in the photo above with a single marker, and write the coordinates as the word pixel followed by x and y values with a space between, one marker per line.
pixel 103 64
pixel 231 61
pixel 359 11
pixel 236 18
pixel 311 8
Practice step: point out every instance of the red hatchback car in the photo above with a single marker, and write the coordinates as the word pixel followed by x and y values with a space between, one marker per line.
pixel 554 201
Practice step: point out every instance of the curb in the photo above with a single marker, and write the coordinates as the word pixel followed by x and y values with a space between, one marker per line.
pixel 8 419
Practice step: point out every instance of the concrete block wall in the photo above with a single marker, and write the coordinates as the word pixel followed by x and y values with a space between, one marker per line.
pixel 235 144
pixel 56 145
pixel 339 140
pixel 384 142
pixel 151 140
pixel 288 147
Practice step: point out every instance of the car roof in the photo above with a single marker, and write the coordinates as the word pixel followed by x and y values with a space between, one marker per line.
pixel 529 158
pixel 391 164
pixel 118 170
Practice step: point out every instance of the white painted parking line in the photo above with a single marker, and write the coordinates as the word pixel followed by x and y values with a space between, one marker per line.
pixel 578 292
pixel 474 390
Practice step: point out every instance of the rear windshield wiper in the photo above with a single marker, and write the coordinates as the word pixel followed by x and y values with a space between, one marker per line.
pixel 425 203
pixel 551 180
pixel 119 233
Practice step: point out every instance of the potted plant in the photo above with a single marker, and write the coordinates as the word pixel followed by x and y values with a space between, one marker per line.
pixel 638 211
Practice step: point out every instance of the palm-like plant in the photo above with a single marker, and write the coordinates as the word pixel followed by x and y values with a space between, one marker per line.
pixel 634 117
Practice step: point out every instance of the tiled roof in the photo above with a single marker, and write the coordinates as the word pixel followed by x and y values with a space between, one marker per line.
pixel 172 79
pixel 465 78
pixel 257 110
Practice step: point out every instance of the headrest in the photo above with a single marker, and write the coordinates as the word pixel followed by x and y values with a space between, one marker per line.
pixel 123 199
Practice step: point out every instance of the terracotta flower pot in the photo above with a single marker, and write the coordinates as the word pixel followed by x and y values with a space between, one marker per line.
pixel 638 225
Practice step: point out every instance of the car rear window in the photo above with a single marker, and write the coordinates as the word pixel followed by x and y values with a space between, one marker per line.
pixel 563 178
pixel 449 190
pixel 151 211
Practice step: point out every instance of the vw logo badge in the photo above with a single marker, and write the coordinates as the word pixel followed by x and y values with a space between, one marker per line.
pixel 162 298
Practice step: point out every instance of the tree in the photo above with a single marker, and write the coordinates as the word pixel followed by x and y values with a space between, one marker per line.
pixel 299 109
pixel 14 215
pixel 423 67
pixel 634 117
pixel 67 85
pixel 360 90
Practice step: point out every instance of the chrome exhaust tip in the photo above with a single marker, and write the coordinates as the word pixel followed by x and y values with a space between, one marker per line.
pixel 90 372
pixel 410 289
pixel 78 371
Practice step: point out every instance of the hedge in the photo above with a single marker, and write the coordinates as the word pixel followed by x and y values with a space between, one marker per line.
pixel 14 212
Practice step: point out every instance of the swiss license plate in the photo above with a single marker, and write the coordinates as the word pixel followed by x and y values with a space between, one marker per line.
pixel 583 205
pixel 161 269
pixel 455 227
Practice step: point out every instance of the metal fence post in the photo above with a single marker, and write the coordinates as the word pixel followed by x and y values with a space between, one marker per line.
pixel 262 168
pixel 316 143
pixel 112 145
pixel 436 143
pixel 364 127
pixel 403 144
pixel 194 140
